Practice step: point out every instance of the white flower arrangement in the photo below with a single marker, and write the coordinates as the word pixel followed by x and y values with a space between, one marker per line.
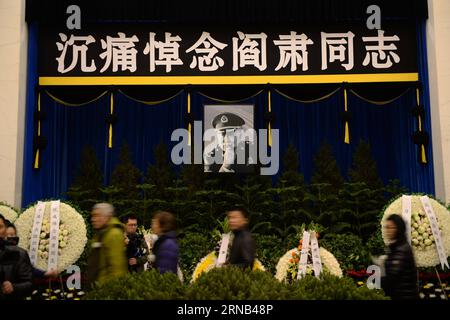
pixel 72 235
pixel 422 239
pixel 329 263
pixel 208 263
pixel 9 213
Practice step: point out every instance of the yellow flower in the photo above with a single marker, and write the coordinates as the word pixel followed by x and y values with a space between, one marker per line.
pixel 209 262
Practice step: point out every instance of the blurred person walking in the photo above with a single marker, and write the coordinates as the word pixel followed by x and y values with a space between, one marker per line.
pixel 400 279
pixel 107 259
pixel 243 248
pixel 165 249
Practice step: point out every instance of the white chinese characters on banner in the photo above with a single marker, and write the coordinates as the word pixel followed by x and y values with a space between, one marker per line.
pixel 250 52
pixel 36 232
pixel 380 53
pixel 54 235
pixel 207 54
pixel 206 48
pixel 163 53
pixel 293 50
pixel 337 47
pixel 79 45
pixel 120 51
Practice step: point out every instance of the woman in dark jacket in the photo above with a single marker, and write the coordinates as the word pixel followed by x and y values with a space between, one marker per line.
pixel 165 248
pixel 400 280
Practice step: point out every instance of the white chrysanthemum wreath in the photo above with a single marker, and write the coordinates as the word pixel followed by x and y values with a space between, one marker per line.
pixel 422 239
pixel 72 235
pixel 9 213
pixel 288 264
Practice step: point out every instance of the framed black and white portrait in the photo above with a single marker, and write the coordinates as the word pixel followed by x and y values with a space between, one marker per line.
pixel 229 138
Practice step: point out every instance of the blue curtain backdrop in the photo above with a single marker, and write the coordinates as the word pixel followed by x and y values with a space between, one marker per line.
pixel 388 129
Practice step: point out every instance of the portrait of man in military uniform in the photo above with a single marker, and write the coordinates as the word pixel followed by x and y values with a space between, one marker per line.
pixel 230 151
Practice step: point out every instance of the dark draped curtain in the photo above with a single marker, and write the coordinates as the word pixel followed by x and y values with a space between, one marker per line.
pixel 388 128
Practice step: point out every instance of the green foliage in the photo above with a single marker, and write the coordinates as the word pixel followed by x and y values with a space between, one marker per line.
pixel 329 287
pixel 193 247
pixel 326 182
pixel 324 204
pixel 205 208
pixel 348 249
pixel 85 190
pixel 269 250
pixel 375 244
pixel 148 285
pixel 126 176
pixel 123 192
pixel 287 202
pixel 364 167
pixel 394 189
pixel 230 283
pixel 291 241
pixel 364 194
pixel 234 284
pixel 160 174
pixel 362 206
pixel 254 196
pixel 291 175
pixel 221 228
pixel 277 211
pixel 193 177
pixel 326 170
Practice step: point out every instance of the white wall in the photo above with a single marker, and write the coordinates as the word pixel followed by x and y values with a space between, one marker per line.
pixel 13 62
pixel 438 45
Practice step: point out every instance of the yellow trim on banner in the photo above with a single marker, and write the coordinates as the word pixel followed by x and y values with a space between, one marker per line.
pixel 189 111
pixel 36 159
pixel 378 103
pixel 205 80
pixel 269 107
pixel 307 101
pixel 229 101
pixel 151 103
pixel 110 131
pixel 347 130
pixel 64 103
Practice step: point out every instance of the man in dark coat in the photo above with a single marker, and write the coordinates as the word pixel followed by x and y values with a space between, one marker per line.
pixel 137 248
pixel 400 280
pixel 243 248
pixel 15 268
